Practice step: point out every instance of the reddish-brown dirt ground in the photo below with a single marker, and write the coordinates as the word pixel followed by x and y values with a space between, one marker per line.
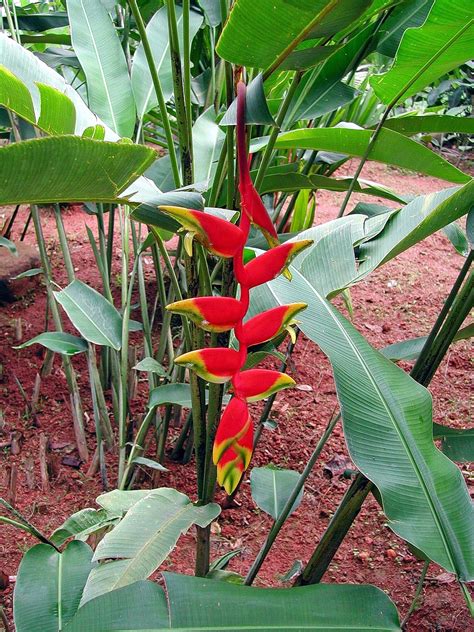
pixel 398 301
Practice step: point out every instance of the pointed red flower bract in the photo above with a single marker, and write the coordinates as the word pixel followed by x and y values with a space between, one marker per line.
pixel 217 235
pixel 216 364
pixel 256 384
pixel 270 264
pixel 212 313
pixel 269 324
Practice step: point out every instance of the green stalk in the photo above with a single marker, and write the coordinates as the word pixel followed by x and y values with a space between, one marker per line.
pixel 68 367
pixel 137 447
pixel 123 382
pixel 26 523
pixel 187 68
pixel 418 591
pixel 158 90
pixel 97 415
pixel 285 512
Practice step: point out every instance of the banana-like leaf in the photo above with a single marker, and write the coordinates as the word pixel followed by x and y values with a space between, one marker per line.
pixel 143 539
pixel 431 124
pixel 82 523
pixel 271 488
pixel 246 43
pixel 456 443
pixel 205 604
pixel 391 148
pixel 402 17
pixel 49 586
pixel 443 42
pixel 387 419
pixel 208 139
pixel 411 349
pixel 102 58
pixel 91 314
pixel 157 31
pixel 39 21
pixel 68 169
pixel 59 342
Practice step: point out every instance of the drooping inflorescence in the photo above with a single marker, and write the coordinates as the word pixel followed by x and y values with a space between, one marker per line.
pixel 233 443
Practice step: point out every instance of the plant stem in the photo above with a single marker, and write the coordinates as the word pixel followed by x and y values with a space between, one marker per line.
pixel 158 90
pixel 418 592
pixel 27 524
pixel 285 512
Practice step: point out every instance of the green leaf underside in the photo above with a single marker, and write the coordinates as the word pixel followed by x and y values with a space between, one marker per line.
pixel 59 342
pixel 386 411
pixel 69 169
pixel 271 488
pixel 144 539
pixel 91 313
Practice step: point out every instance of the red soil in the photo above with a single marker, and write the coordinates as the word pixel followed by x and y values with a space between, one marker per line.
pixel 398 301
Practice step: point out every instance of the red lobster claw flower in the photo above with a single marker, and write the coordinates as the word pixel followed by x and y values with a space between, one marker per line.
pixel 269 324
pixel 270 264
pixel 256 384
pixel 217 235
pixel 212 313
pixel 251 202
pixel 233 444
pixel 216 364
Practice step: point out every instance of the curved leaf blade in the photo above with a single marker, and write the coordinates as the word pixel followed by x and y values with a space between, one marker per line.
pixel 271 488
pixel 57 341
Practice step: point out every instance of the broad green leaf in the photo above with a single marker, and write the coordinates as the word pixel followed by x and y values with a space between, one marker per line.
pixel 431 124
pixel 406 15
pixel 271 488
pixel 203 604
pixel 411 349
pixel 30 70
pixel 98 48
pixel 15 96
pixel 257 33
pixel 58 114
pixel 442 43
pixel 141 606
pixel 391 148
pixel 68 169
pixel 157 31
pixel 39 21
pixel 59 342
pixel 179 394
pixel 212 11
pixel 143 539
pixel 152 366
pixel 119 501
pixel 420 218
pixel 256 106
pixel 208 139
pixel 81 524
pixel 456 443
pixel 49 586
pixel 92 315
pixel 458 238
pixel 385 412
pixel 308 57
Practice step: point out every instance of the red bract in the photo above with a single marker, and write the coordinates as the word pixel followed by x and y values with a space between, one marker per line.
pixel 212 313
pixel 217 235
pixel 269 324
pixel 271 264
pixel 256 384
pixel 233 443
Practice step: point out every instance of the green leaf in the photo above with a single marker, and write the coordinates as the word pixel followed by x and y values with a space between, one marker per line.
pixel 59 342
pixel 15 96
pixel 456 443
pixel 92 315
pixel 9 245
pixel 27 273
pixel 402 17
pixel 271 488
pixel 256 106
pixel 197 604
pixel 212 11
pixel 431 124
pixel 442 43
pixel 457 237
pixel 119 501
pixel 157 31
pixel 98 48
pixel 151 366
pixel 49 586
pixel 391 148
pixel 81 524
pixel 141 460
pixel 257 33
pixel 308 57
pixel 143 539
pixel 208 139
pixel 58 114
pixel 141 606
pixel 39 21
pixel 411 349
pixel 179 394
pixel 68 169
pixel 385 412
pixel 420 218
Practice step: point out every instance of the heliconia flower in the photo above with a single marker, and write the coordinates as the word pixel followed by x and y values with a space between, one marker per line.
pixel 256 384
pixel 217 235
pixel 216 364
pixel 233 444
pixel 250 201
pixel 269 324
pixel 212 313
pixel 270 264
